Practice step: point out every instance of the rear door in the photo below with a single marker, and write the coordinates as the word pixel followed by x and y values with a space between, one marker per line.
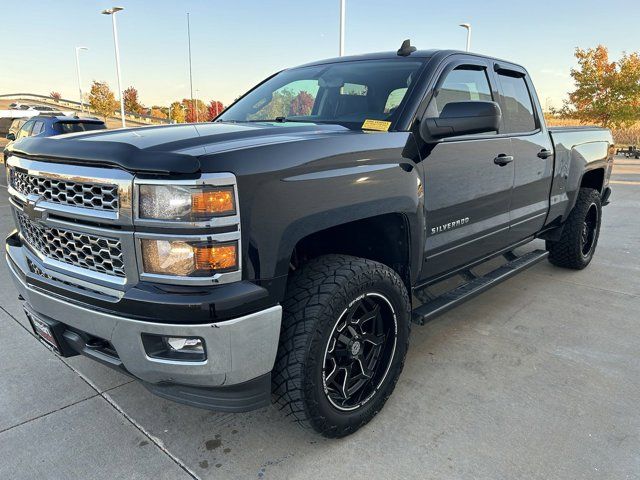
pixel 467 194
pixel 532 151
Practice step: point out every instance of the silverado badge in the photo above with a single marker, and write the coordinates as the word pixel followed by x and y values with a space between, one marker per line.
pixel 449 226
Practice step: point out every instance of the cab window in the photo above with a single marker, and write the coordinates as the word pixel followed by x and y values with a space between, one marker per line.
pixel 517 107
pixel 466 83
pixel 394 99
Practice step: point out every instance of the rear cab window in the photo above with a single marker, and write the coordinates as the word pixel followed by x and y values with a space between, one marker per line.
pixel 74 127
pixel 517 107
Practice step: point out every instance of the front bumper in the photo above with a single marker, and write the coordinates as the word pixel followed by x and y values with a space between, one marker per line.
pixel 240 351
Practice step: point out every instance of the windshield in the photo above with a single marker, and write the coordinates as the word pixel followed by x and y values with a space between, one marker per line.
pixel 346 93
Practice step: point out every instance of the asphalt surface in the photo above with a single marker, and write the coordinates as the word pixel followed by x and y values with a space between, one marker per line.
pixel 538 378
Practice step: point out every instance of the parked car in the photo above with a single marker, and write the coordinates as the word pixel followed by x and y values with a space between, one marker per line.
pixel 279 252
pixel 49 126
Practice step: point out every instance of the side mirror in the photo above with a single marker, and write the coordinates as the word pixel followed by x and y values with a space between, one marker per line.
pixel 461 118
pixel 11 136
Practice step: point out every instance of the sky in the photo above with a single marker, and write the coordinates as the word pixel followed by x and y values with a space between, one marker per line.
pixel 235 44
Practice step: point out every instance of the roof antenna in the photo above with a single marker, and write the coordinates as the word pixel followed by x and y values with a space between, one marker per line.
pixel 406 49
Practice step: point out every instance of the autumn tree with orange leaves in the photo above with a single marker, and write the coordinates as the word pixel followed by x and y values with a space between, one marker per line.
pixel 302 104
pixel 214 109
pixel 607 92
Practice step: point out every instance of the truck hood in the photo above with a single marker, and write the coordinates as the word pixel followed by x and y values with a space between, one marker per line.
pixel 164 150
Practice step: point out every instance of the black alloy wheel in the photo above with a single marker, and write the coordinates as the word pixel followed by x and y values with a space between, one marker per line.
pixel 359 351
pixel 589 227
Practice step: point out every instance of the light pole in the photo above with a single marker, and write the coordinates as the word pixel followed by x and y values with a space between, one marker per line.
pixel 342 13
pixel 467 26
pixel 79 79
pixel 112 11
pixel 190 70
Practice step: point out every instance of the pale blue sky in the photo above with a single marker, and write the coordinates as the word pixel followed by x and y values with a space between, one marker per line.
pixel 237 43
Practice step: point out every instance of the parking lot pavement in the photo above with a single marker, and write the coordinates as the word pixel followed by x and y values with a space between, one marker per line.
pixel 536 378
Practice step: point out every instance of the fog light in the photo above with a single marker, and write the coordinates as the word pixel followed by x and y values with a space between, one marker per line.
pixel 184 344
pixel 185 349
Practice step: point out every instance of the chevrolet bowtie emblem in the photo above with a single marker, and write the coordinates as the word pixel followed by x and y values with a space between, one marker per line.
pixel 32 210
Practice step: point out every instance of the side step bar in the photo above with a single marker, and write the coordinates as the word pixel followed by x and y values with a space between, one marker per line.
pixel 476 285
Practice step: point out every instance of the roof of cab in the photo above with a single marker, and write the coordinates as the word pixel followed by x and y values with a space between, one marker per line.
pixel 422 54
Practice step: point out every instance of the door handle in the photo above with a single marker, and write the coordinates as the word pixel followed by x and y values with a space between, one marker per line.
pixel 503 159
pixel 544 153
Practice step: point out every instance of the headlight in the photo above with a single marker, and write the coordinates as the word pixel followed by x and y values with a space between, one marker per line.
pixel 185 203
pixel 188 259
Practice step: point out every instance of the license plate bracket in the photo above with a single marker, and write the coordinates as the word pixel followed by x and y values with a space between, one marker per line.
pixel 49 332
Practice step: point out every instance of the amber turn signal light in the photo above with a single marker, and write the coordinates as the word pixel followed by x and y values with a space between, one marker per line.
pixel 216 257
pixel 218 201
pixel 184 259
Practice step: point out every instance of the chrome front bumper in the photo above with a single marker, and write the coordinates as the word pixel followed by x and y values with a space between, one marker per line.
pixel 238 350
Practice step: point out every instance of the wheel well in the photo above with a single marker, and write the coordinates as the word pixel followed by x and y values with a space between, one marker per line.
pixel 383 238
pixel 593 179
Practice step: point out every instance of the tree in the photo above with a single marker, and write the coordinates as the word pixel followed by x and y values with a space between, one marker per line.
pixel 158 113
pixel 301 104
pixel 607 92
pixel 55 95
pixel 102 100
pixel 131 103
pixel 176 112
pixel 196 110
pixel 278 106
pixel 214 109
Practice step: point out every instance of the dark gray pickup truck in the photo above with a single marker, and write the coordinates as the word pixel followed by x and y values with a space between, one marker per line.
pixel 281 252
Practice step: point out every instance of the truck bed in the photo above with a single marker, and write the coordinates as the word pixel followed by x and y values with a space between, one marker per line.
pixel 578 150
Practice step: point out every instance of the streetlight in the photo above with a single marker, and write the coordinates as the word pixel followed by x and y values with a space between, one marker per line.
pixel 342 14
pixel 468 27
pixel 79 79
pixel 112 11
pixel 190 70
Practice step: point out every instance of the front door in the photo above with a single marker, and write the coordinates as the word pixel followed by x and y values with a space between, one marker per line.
pixel 468 181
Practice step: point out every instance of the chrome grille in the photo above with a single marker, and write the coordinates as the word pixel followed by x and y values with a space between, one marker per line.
pixel 41 273
pixel 97 253
pixel 65 192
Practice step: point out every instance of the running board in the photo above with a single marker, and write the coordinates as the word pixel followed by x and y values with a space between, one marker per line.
pixel 476 285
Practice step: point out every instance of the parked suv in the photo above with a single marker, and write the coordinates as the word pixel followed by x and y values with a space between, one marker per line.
pixel 49 126
pixel 283 251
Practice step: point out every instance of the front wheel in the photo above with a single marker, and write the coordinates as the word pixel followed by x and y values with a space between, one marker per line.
pixel 580 234
pixel 344 338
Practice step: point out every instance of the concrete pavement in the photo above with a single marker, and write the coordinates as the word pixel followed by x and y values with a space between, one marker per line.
pixel 538 378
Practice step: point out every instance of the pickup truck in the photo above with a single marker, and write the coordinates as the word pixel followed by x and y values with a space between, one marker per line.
pixel 281 252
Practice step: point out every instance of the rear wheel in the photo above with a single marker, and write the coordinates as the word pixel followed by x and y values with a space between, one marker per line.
pixel 580 234
pixel 344 338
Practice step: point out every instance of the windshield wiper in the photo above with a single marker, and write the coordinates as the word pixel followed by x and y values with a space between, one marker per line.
pixel 275 120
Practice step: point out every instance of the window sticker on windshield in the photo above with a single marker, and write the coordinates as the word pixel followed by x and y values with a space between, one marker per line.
pixel 379 125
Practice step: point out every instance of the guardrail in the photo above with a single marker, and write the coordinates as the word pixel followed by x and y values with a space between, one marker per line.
pixel 72 104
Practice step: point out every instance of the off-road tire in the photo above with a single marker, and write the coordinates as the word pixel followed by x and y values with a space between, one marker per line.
pixel 568 251
pixel 317 295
